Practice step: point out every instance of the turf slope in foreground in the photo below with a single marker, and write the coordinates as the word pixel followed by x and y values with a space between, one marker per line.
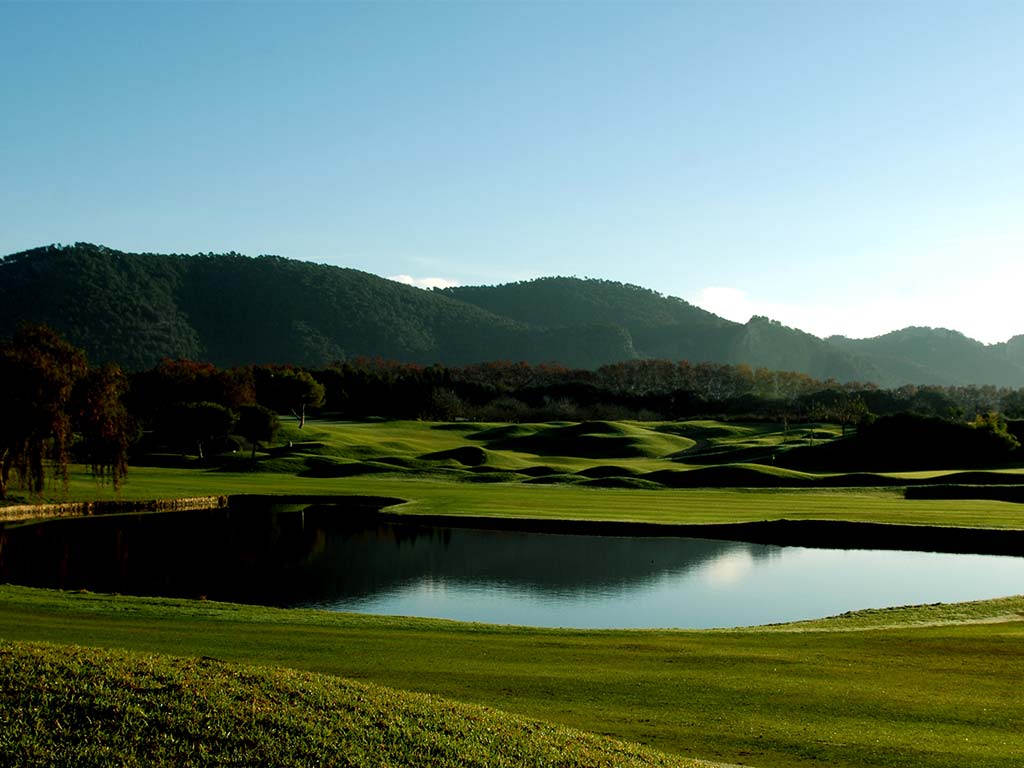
pixel 68 705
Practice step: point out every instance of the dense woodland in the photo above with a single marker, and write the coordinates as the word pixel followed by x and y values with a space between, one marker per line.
pixel 137 309
pixel 61 409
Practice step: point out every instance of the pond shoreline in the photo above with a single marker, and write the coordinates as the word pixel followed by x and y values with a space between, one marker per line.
pixel 825 534
pixel 821 534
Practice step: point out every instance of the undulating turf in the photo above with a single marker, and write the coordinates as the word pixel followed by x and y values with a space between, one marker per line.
pixel 924 686
pixel 454 469
pixel 907 687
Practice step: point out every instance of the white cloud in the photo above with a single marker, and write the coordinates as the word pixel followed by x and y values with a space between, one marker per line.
pixel 979 305
pixel 730 303
pixel 854 317
pixel 424 282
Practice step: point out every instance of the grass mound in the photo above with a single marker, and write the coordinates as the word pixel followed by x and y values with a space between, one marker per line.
pixel 66 705
pixel 634 483
pixel 539 470
pixel 459 426
pixel 506 432
pixel 978 477
pixel 607 470
pixel 587 439
pixel 467 455
pixel 496 476
pixel 707 430
pixel 729 476
pixel 327 468
pixel 555 479
pixel 1011 493
pixel 597 428
pixel 274 464
pixel 859 480
pixel 726 454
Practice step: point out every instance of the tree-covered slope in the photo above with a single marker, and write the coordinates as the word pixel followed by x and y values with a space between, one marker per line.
pixel 666 327
pixel 230 309
pixel 769 344
pixel 658 326
pixel 938 356
pixel 115 306
pixel 271 309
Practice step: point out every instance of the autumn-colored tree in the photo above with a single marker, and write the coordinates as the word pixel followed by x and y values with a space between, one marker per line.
pixel 38 373
pixel 105 428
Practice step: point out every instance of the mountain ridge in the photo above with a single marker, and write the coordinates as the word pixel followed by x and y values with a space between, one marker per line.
pixel 230 309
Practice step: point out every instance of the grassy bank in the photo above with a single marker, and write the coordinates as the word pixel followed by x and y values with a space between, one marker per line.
pixel 62 705
pixel 932 686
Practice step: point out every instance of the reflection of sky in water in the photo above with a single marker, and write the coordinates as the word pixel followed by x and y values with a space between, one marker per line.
pixel 733 588
pixel 727 570
pixel 319 557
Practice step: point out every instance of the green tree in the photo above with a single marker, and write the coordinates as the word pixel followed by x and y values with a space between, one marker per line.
pixel 257 424
pixel 288 390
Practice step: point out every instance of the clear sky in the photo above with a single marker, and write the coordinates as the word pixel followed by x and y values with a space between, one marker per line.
pixel 844 167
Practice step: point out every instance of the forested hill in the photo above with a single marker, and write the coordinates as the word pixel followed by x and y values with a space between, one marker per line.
pixel 230 310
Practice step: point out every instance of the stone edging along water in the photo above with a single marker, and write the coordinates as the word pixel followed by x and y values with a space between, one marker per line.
pixel 21 512
pixel 18 512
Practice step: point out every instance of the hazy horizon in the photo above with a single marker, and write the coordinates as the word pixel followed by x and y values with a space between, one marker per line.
pixel 844 168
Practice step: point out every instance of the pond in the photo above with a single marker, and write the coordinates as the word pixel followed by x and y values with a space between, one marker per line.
pixel 323 556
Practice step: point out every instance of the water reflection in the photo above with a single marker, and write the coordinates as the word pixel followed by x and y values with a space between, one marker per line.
pixel 336 558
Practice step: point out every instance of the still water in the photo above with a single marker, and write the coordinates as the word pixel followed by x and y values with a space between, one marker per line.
pixel 325 557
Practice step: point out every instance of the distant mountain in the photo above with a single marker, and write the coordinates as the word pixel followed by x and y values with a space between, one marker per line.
pixel 1012 350
pixel 939 356
pixel 658 326
pixel 135 308
pixel 668 328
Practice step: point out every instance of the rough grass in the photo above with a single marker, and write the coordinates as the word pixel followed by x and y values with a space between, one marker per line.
pixel 68 705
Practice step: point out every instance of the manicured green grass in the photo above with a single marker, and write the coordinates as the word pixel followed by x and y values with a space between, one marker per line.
pixel 888 691
pixel 427 495
pixel 454 469
pixel 924 686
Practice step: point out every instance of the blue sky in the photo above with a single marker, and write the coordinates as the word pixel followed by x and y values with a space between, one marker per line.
pixel 844 167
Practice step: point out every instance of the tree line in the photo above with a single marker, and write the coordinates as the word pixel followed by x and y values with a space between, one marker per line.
pixel 652 390
pixel 59 409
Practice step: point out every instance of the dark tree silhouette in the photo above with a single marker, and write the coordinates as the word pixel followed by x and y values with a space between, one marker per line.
pixel 195 425
pixel 257 424
pixel 286 389
pixel 104 425
pixel 38 372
